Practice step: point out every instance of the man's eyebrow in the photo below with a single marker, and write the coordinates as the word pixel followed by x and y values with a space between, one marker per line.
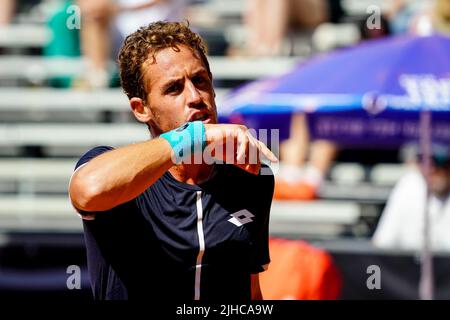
pixel 171 82
pixel 200 71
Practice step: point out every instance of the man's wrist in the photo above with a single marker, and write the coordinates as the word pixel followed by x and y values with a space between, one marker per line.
pixel 186 140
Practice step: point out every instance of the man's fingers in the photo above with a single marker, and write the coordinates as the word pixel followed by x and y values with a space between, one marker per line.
pixel 248 150
pixel 266 152
pixel 243 141
pixel 254 156
pixel 263 149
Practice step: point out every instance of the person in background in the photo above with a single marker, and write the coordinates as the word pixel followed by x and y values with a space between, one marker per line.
pixel 402 221
pixel 106 23
pixel 269 21
pixel 305 163
pixel 7 8
pixel 419 17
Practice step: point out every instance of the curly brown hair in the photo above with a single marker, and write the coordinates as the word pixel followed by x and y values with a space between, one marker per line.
pixel 146 42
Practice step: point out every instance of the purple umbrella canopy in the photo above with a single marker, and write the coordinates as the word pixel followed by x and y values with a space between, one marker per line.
pixel 371 93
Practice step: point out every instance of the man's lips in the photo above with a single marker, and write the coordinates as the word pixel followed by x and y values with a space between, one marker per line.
pixel 200 116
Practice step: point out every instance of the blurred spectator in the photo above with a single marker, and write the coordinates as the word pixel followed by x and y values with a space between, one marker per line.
pixel 402 221
pixel 124 16
pixel 434 18
pixel 441 16
pixel 400 12
pixel 64 42
pixel 104 25
pixel 419 17
pixel 7 8
pixel 10 8
pixel 304 164
pixel 269 21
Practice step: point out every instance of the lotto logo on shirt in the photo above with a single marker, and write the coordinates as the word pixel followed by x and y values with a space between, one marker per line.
pixel 241 217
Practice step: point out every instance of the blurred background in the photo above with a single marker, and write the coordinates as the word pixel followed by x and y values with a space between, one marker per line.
pixel 347 218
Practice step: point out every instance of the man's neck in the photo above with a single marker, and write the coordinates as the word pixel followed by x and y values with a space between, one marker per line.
pixel 192 173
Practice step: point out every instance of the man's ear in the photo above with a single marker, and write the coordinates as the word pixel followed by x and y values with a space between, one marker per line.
pixel 140 110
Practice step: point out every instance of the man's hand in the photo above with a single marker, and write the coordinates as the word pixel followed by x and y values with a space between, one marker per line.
pixel 234 144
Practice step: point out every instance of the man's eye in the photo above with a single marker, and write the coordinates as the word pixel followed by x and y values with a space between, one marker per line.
pixel 173 88
pixel 199 80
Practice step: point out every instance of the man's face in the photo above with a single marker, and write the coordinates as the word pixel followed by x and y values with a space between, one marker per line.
pixel 440 180
pixel 179 89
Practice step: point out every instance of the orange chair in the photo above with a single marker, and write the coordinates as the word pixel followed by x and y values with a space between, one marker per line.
pixel 298 271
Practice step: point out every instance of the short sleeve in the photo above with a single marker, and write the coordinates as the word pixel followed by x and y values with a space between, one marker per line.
pixel 91 154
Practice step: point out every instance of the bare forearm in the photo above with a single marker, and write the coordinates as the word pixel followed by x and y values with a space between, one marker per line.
pixel 120 175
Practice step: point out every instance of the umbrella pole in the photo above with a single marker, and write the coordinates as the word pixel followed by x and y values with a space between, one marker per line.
pixel 426 285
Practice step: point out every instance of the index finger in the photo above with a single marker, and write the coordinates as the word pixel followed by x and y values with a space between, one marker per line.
pixel 266 151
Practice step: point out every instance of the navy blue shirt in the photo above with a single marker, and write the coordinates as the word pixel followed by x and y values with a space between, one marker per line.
pixel 182 242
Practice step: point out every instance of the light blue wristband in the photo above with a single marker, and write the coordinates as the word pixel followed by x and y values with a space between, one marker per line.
pixel 186 140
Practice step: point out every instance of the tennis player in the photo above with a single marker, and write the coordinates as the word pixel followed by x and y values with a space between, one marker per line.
pixel 161 220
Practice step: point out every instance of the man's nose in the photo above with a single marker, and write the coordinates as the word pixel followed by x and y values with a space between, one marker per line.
pixel 194 98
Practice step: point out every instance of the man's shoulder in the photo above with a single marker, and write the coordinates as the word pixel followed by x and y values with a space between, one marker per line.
pixel 92 153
